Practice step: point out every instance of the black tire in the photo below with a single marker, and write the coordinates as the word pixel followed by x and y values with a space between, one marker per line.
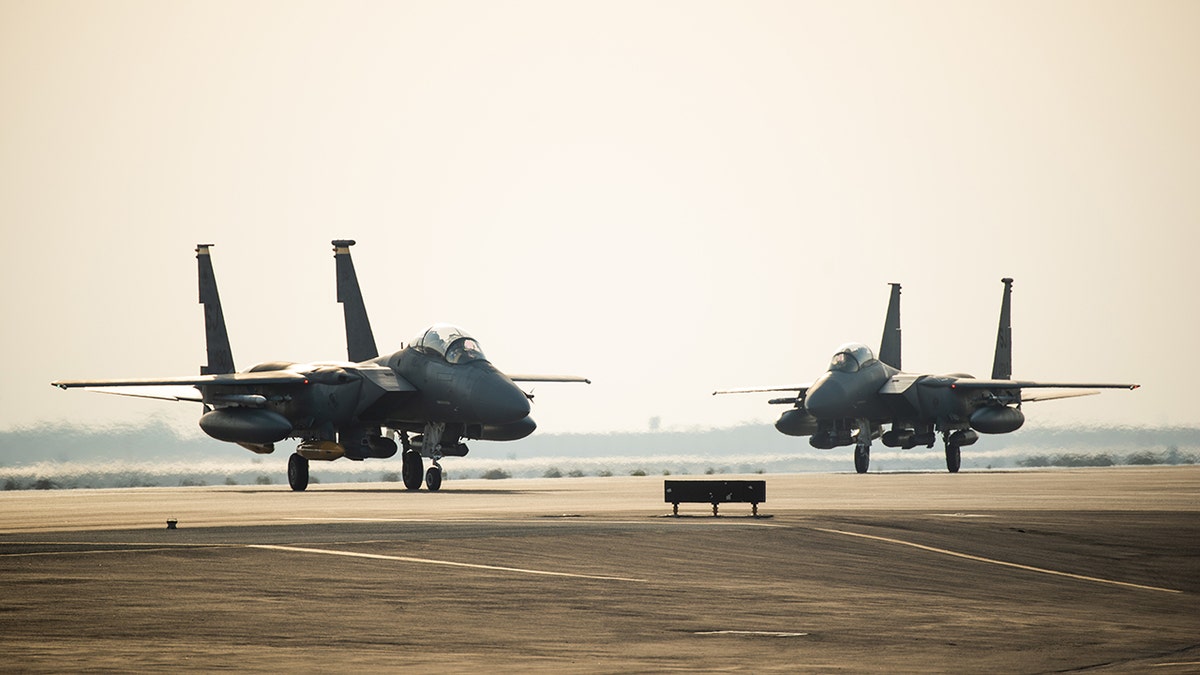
pixel 411 470
pixel 433 478
pixel 298 472
pixel 862 458
pixel 953 458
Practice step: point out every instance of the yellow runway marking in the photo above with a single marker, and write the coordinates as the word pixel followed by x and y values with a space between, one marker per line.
pixel 1019 566
pixel 429 561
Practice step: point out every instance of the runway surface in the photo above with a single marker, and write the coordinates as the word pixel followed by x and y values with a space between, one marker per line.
pixel 1056 571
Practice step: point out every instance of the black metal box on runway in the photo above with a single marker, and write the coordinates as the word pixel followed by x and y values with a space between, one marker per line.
pixel 715 492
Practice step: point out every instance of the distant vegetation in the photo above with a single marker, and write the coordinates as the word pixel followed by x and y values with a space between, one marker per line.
pixel 1141 458
pixel 65 457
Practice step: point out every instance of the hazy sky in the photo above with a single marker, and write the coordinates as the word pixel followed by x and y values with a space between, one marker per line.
pixel 667 197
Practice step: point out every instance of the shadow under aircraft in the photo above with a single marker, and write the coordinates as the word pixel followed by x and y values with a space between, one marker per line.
pixel 440 388
pixel 859 394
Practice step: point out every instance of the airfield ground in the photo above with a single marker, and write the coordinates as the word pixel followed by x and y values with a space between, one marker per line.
pixel 1064 570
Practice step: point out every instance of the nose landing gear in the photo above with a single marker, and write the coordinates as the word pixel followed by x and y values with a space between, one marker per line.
pixel 862 447
pixel 433 478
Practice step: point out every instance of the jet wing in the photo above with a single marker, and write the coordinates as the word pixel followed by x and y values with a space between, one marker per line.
pixel 547 378
pixel 1058 394
pixel 965 383
pixel 162 393
pixel 801 388
pixel 256 378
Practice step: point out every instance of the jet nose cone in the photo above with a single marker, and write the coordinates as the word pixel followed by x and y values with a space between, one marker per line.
pixel 499 401
pixel 826 399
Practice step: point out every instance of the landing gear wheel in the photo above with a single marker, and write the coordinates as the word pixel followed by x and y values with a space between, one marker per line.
pixel 433 478
pixel 862 458
pixel 411 470
pixel 953 458
pixel 298 472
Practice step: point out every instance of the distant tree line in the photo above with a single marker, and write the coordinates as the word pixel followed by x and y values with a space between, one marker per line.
pixel 1171 456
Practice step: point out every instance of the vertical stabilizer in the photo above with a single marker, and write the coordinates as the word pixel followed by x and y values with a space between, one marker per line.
pixel 220 356
pixel 360 341
pixel 889 346
pixel 1002 364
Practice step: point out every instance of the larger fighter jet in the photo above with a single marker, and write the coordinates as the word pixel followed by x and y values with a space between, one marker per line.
pixel 440 388
pixel 859 394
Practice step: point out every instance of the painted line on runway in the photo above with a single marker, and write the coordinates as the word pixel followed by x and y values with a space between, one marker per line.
pixel 132 548
pixel 756 633
pixel 992 561
pixel 544 520
pixel 430 561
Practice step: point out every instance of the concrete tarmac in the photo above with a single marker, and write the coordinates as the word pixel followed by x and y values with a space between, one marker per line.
pixel 1050 571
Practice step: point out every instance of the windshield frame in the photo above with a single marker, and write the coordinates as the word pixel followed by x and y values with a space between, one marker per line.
pixel 451 343
pixel 851 358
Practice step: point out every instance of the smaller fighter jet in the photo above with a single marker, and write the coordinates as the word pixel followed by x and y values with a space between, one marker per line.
pixel 861 393
pixel 440 388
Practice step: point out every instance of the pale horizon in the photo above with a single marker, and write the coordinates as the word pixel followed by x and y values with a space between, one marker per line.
pixel 668 198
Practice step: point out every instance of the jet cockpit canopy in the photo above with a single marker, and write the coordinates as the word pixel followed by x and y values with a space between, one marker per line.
pixel 850 357
pixel 450 342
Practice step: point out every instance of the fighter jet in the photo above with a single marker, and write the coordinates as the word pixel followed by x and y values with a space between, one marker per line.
pixel 860 393
pixel 440 388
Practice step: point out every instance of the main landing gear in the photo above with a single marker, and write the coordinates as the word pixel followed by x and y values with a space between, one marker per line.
pixel 298 472
pixel 953 457
pixel 411 469
pixel 862 457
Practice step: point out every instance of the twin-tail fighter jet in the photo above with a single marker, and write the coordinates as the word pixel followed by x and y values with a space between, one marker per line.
pixel 440 387
pixel 859 394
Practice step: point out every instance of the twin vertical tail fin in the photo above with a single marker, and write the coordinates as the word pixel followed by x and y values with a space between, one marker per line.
pixel 889 346
pixel 220 356
pixel 360 341
pixel 1002 364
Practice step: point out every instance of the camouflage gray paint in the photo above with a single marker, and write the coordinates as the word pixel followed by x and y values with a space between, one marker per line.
pixel 441 388
pixel 860 394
